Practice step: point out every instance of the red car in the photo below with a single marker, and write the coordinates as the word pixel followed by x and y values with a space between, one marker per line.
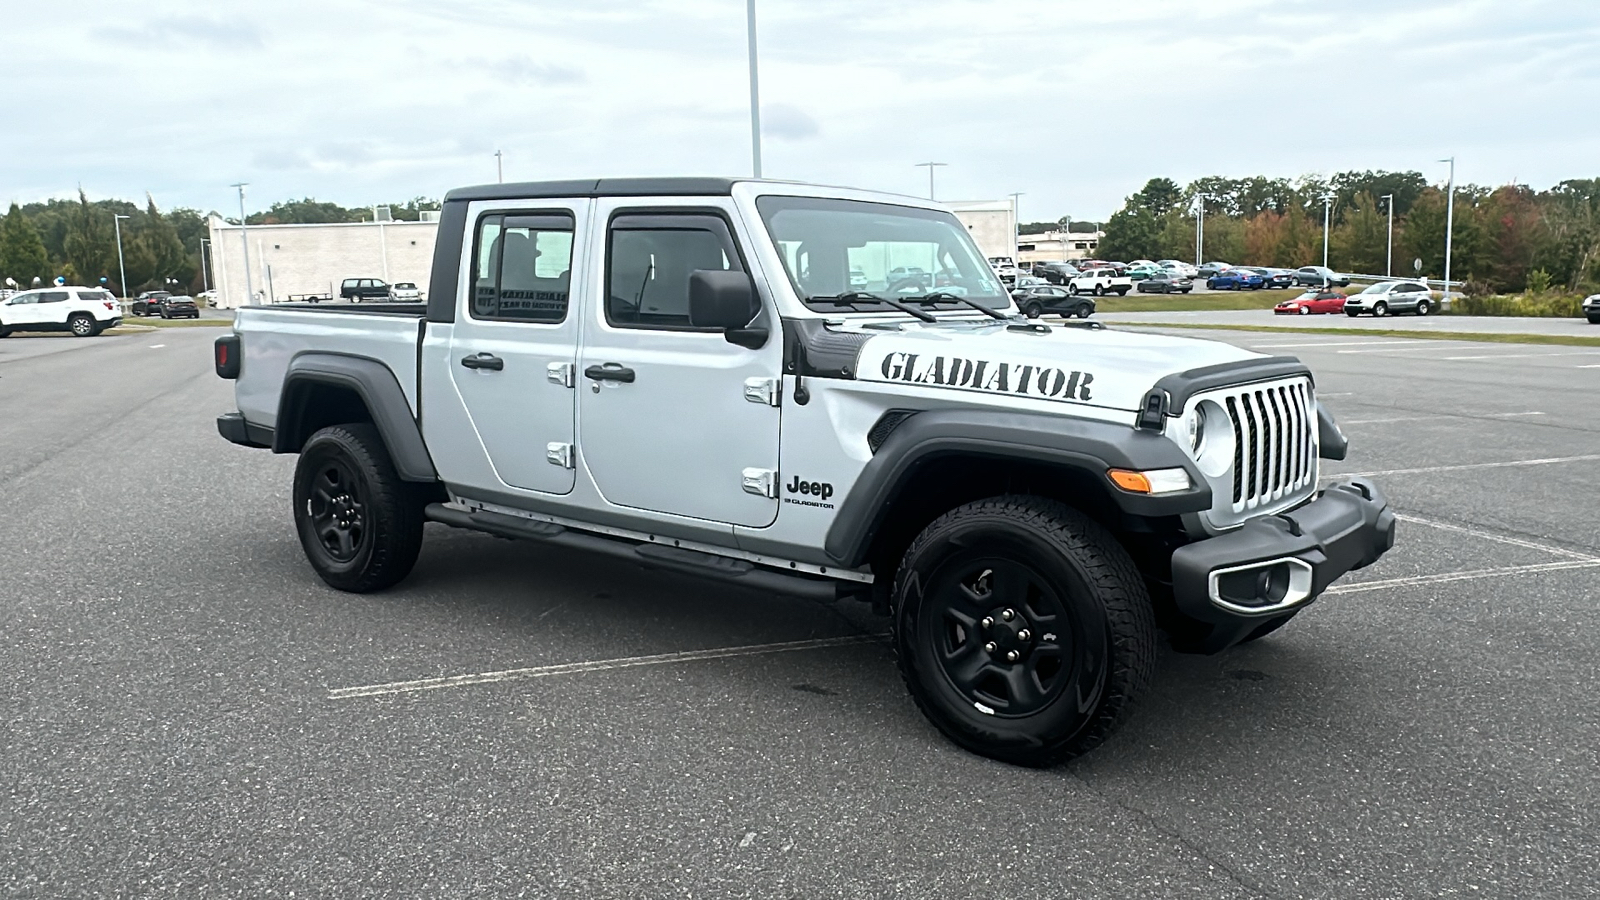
pixel 1318 302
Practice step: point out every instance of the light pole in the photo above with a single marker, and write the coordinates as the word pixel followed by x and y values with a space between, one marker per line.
pixel 244 238
pixel 205 279
pixel 755 92
pixel 931 166
pixel 1016 224
pixel 122 270
pixel 1388 265
pixel 499 168
pixel 1199 228
pixel 1449 227
pixel 1327 207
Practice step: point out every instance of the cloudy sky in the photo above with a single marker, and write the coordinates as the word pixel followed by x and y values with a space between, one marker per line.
pixel 1074 103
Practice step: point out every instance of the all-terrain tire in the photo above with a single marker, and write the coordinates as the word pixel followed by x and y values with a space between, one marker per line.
pixel 345 474
pixel 1103 627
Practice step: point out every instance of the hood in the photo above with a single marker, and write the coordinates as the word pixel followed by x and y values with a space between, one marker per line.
pixel 1067 364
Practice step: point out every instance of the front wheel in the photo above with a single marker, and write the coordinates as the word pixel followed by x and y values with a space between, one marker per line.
pixel 1033 311
pixel 1380 309
pixel 360 525
pixel 81 325
pixel 1305 310
pixel 1352 313
pixel 1022 629
pixel 1084 310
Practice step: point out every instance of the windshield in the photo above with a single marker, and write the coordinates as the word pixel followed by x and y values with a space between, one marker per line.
pixel 905 253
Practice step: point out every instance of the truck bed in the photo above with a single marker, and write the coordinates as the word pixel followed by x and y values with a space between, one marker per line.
pixel 271 336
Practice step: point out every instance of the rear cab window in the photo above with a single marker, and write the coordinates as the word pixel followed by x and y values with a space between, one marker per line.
pixel 522 267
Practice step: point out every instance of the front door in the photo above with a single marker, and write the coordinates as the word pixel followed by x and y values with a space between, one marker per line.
pixel 22 309
pixel 675 418
pixel 514 342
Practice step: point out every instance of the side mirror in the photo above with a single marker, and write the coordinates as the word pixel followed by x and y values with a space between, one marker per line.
pixel 726 300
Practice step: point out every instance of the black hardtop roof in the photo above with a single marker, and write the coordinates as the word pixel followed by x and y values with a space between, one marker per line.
pixel 598 187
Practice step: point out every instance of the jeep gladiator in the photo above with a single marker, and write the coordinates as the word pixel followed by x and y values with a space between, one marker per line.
pixel 685 373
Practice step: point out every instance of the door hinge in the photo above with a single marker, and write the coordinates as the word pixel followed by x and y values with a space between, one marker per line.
pixel 559 454
pixel 761 482
pixel 562 373
pixel 763 390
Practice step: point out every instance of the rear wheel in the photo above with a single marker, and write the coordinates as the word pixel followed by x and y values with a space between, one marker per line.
pixel 1099 290
pixel 1022 629
pixel 81 325
pixel 1422 307
pixel 360 524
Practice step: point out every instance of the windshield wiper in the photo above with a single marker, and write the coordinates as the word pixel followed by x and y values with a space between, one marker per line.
pixel 851 298
pixel 946 295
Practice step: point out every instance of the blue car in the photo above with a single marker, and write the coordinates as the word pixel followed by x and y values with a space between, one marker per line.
pixel 1235 280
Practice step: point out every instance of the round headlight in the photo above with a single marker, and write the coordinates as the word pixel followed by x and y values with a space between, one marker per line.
pixel 1196 423
pixel 1213 441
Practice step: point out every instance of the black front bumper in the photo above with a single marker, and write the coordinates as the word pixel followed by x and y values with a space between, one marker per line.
pixel 1275 565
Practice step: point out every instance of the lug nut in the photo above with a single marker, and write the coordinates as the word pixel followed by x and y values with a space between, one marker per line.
pixel 988 622
pixel 990 647
pixel 1011 656
pixel 1008 615
pixel 1024 634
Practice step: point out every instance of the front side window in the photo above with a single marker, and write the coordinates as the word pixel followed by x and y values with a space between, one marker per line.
pixel 53 297
pixel 523 267
pixel 903 251
pixel 649 259
pixel 23 299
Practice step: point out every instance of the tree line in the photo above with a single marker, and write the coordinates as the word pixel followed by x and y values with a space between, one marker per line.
pixel 77 239
pixel 1504 238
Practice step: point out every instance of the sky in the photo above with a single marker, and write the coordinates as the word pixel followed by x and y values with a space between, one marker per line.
pixel 1075 104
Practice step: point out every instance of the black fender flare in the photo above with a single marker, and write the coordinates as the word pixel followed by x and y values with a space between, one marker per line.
pixel 377 387
pixel 1086 445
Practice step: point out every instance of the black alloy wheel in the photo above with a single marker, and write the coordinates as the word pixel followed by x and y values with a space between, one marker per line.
pixel 1022 629
pixel 1085 310
pixel 359 523
pixel 1033 311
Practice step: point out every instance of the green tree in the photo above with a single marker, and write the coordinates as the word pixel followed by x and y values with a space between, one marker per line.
pixel 89 245
pixel 1360 242
pixel 1131 233
pixel 22 253
pixel 1159 196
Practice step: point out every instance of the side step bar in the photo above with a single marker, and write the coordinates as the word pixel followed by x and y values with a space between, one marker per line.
pixel 656 556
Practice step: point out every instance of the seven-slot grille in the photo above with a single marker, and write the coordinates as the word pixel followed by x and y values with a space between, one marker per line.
pixel 1275 446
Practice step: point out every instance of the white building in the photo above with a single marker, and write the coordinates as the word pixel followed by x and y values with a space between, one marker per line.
pixel 1057 245
pixel 291 261
pixel 993 224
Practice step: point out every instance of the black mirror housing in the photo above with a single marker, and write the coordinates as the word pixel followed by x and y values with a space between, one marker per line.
pixel 721 299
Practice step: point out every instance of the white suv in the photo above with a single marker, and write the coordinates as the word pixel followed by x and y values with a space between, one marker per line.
pixel 83 311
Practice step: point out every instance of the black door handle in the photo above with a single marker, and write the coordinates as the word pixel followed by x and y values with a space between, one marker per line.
pixel 609 372
pixel 483 361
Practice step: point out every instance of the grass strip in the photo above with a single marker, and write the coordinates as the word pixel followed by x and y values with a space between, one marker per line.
pixel 1192 302
pixel 1569 340
pixel 169 323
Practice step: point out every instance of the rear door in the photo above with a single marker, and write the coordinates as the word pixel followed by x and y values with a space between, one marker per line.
pixel 53 308
pixel 674 418
pixel 514 342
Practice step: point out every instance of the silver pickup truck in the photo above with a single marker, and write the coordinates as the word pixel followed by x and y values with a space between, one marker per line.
pixel 690 374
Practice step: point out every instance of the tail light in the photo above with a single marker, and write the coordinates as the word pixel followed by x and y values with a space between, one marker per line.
pixel 110 305
pixel 227 356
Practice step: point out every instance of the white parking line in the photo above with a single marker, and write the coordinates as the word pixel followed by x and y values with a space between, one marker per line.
pixel 1367 343
pixel 157 346
pixel 1500 538
pixel 1554 460
pixel 600 665
pixel 1526 355
pixel 1595 366
pixel 1474 575
pixel 1411 345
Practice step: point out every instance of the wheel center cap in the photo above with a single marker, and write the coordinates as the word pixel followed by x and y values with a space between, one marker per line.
pixel 1007 634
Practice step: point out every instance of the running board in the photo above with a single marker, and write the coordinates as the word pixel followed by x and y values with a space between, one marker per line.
pixel 655 556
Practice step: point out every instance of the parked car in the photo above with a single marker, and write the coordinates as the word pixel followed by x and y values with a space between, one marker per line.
pixel 1591 308
pixel 1142 271
pixel 1317 301
pixel 1007 273
pixel 907 276
pixel 1387 297
pixel 1036 300
pixel 1320 276
pixel 178 308
pixel 405 292
pixel 1023 627
pixel 1087 264
pixel 1165 282
pixel 148 303
pixel 1236 279
pixel 1055 272
pixel 1179 266
pixel 358 289
pixel 858 280
pixel 1211 268
pixel 1276 279
pixel 83 311
pixel 1101 281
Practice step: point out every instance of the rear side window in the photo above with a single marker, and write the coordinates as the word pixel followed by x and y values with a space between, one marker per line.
pixel 649 259
pixel 522 269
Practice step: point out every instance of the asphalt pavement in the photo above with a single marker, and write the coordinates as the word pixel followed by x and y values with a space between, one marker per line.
pixel 189 712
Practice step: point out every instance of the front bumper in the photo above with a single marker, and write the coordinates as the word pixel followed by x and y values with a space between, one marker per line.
pixel 1275 565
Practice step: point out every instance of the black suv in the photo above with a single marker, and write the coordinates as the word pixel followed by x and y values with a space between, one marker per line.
pixel 358 289
pixel 148 303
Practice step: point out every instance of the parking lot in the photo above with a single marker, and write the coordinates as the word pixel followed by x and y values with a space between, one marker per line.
pixel 189 711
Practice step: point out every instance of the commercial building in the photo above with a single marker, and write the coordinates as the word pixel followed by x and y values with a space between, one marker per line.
pixel 290 262
pixel 1055 245
pixel 993 224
